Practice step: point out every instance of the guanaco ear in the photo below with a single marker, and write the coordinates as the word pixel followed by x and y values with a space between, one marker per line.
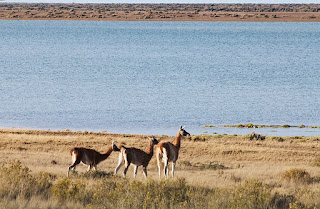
pixel 114 147
pixel 154 140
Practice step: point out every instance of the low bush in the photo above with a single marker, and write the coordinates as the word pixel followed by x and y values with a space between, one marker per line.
pixel 16 181
pixel 297 175
pixel 285 126
pixel 278 139
pixel 282 200
pixel 249 125
pixel 67 190
pixel 152 194
pixel 251 194
pixel 254 136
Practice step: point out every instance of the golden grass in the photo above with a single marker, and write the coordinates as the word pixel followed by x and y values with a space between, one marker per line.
pixel 239 159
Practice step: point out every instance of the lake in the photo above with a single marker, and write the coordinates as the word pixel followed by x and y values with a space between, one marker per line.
pixel 152 77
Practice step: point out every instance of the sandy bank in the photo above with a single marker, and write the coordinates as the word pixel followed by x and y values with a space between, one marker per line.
pixel 162 12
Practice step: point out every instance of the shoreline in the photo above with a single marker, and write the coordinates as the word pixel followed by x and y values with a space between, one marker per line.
pixel 162 12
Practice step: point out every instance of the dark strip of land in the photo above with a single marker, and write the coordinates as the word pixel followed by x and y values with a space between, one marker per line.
pixel 163 12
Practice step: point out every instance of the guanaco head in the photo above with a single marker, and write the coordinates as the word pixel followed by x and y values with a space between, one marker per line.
pixel 154 141
pixel 114 147
pixel 183 132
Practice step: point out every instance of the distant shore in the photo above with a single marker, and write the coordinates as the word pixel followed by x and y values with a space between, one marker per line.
pixel 162 12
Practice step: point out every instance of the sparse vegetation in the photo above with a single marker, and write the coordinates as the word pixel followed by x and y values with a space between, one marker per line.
pixel 297 175
pixel 286 126
pixel 254 136
pixel 317 161
pixel 205 12
pixel 17 182
pixel 113 192
pixel 215 172
pixel 204 166
pixel 278 139
pixel 251 125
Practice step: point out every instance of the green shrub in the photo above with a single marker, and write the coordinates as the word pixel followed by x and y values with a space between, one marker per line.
pixel 136 194
pixel 251 194
pixel 199 197
pixel 16 181
pixel 254 136
pixel 166 194
pixel 108 193
pixel 67 190
pixel 43 184
pixel 249 125
pixel 297 175
pixel 286 126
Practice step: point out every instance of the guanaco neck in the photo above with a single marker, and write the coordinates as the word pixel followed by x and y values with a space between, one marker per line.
pixel 150 149
pixel 106 154
pixel 177 141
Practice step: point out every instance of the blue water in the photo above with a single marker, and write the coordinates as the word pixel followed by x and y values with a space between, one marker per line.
pixel 152 77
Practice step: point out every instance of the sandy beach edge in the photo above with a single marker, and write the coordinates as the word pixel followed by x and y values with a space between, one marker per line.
pixel 162 12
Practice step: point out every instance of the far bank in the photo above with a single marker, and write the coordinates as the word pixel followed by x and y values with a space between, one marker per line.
pixel 162 12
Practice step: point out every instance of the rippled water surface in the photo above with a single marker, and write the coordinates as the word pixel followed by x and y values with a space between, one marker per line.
pixel 151 77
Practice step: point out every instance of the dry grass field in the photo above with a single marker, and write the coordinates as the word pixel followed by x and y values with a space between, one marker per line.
pixel 287 166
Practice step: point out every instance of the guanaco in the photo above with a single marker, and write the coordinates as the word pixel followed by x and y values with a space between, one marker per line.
pixel 135 156
pixel 89 157
pixel 169 152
